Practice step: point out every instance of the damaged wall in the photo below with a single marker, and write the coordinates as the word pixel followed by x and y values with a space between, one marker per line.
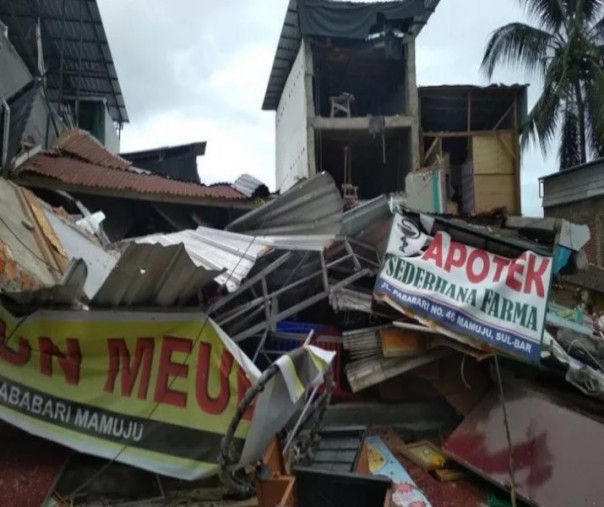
pixel 292 150
pixel 591 213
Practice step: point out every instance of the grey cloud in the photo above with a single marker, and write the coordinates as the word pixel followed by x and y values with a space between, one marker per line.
pixel 169 52
pixel 165 51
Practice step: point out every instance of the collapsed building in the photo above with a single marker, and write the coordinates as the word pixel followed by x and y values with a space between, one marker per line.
pixel 385 330
pixel 344 90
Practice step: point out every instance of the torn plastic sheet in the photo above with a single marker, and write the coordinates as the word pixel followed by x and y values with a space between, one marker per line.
pixel 300 371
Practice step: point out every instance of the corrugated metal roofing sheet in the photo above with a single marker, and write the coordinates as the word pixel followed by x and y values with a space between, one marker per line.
pixel 312 207
pixel 81 144
pixel 248 185
pixel 370 222
pixel 152 275
pixel 584 181
pixel 233 253
pixel 76 28
pixel 76 173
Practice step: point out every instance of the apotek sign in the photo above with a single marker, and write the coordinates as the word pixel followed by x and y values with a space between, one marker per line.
pixel 469 293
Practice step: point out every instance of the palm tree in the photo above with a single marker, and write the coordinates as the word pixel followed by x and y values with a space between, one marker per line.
pixel 565 47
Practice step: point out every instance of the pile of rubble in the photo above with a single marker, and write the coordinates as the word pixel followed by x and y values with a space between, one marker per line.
pixel 304 356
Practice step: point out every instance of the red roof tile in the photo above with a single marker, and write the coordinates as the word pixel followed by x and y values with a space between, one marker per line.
pixel 85 175
pixel 82 145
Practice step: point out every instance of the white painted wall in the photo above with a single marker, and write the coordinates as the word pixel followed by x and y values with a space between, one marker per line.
pixel 112 141
pixel 292 153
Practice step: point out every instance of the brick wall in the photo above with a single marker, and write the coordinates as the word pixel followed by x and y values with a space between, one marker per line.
pixel 591 213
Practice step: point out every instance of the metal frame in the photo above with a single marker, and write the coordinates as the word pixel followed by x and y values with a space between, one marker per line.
pixel 347 257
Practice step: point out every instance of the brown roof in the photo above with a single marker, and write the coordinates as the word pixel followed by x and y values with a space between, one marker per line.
pixel 78 160
pixel 81 144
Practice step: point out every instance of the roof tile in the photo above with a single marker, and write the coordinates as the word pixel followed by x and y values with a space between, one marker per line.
pixel 80 144
pixel 86 175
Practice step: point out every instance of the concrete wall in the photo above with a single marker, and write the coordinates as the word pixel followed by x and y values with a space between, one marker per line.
pixel 292 150
pixel 111 139
pixel 591 213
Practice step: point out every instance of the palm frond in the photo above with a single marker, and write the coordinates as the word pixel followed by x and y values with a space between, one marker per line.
pixel 586 10
pixel 517 43
pixel 541 123
pixel 594 102
pixel 596 33
pixel 548 14
pixel 570 145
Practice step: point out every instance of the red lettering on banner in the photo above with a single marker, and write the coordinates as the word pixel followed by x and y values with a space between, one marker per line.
pixel 131 370
pixel 435 251
pixel 210 404
pixel 453 260
pixel 70 363
pixel 16 358
pixel 534 276
pixel 168 369
pixel 500 264
pixel 516 268
pixel 475 255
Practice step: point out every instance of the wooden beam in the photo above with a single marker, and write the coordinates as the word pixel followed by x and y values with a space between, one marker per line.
pixel 508 111
pixel 487 133
pixel 507 148
pixel 431 149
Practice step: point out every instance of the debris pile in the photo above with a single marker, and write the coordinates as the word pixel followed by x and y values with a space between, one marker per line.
pixel 304 347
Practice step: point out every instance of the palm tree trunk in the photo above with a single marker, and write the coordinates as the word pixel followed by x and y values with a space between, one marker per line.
pixel 581 116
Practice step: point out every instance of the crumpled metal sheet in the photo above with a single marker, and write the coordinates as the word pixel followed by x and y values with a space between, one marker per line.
pixel 351 300
pixel 152 275
pixel 233 254
pixel 312 207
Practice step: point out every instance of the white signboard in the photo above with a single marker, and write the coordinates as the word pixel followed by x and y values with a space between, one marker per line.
pixel 467 293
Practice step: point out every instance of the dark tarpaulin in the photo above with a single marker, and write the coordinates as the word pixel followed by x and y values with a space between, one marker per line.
pixel 347 20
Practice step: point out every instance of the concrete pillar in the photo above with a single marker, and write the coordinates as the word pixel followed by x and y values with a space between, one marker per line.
pixel 412 102
pixel 310 108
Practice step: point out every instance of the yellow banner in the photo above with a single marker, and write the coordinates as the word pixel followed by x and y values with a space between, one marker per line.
pixel 155 390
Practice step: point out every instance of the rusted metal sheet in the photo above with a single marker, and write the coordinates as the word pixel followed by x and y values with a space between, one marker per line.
pixel 557 450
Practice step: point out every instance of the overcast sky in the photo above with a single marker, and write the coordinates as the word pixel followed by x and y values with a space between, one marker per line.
pixel 194 70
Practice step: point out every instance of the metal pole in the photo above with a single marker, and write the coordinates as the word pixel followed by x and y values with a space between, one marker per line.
pixel 62 56
pixel 77 104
